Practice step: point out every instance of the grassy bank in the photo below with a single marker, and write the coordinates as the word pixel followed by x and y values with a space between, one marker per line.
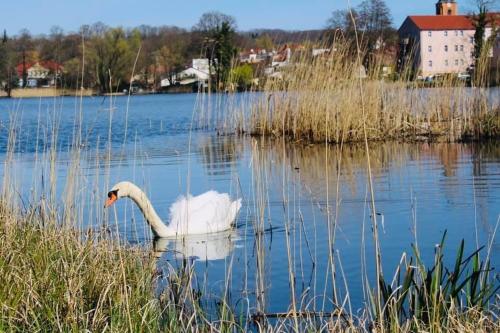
pixel 328 98
pixel 55 279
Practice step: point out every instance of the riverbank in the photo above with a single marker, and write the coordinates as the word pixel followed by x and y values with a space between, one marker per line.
pixel 46 92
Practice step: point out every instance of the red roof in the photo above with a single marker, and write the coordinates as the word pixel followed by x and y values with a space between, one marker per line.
pixel 445 22
pixel 438 22
pixel 52 66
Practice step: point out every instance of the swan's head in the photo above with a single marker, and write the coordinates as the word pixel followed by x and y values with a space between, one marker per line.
pixel 118 191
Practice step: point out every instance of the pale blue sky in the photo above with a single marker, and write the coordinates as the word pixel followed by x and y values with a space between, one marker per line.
pixel 39 16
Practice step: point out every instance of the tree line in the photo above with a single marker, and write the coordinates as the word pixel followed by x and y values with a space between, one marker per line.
pixel 103 58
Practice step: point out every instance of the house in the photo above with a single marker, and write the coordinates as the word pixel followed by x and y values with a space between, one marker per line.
pixel 441 43
pixel 255 56
pixel 199 73
pixel 43 73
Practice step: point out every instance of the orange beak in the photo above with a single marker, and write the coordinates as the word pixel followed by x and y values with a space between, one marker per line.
pixel 111 199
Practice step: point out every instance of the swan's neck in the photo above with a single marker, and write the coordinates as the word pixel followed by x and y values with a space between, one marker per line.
pixel 157 226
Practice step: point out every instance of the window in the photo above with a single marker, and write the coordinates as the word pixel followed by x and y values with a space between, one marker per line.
pixel 429 33
pixel 456 32
pixel 456 48
pixel 462 61
pixel 472 40
pixel 446 33
pixel 461 48
pixel 446 48
pixel 446 62
pixel 430 63
pixel 456 62
pixel 429 48
pixel 461 32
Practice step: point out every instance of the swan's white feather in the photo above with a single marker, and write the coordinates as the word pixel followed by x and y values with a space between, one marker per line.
pixel 206 213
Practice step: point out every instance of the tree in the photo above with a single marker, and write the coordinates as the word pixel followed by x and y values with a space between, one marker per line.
pixel 242 76
pixel 225 51
pixel 24 45
pixel 170 59
pixel 111 55
pixel 341 19
pixel 374 17
pixel 8 74
pixel 218 31
pixel 211 21
pixel 264 42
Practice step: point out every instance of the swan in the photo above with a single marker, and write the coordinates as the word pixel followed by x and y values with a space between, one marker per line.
pixel 206 213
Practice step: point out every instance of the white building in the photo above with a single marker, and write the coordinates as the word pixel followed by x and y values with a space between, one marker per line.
pixel 198 72
pixel 441 43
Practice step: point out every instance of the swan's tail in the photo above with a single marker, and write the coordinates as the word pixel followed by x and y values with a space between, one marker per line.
pixel 234 209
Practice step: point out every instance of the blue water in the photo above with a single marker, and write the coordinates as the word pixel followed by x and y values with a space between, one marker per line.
pixel 420 189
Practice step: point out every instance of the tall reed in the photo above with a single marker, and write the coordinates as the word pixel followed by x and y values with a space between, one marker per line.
pixel 317 99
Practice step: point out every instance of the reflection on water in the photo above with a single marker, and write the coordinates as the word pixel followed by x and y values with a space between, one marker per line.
pixel 304 206
pixel 208 247
pixel 317 196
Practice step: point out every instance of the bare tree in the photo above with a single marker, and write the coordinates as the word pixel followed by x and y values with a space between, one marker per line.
pixel 211 21
pixel 374 17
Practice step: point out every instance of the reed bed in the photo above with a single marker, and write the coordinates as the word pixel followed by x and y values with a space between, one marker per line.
pixel 55 281
pixel 318 99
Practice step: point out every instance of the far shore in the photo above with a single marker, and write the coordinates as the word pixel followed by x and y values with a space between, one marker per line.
pixel 46 92
pixel 57 92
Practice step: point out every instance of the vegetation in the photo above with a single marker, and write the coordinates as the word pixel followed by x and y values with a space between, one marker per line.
pixel 60 276
pixel 218 32
pixel 7 75
pixel 97 50
pixel 56 281
pixel 483 45
pixel 421 298
pixel 242 76
pixel 328 98
pixel 111 56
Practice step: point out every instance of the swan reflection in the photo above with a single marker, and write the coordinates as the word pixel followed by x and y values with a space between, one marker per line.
pixel 206 247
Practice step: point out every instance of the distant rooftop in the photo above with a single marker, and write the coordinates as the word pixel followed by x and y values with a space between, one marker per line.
pixel 452 22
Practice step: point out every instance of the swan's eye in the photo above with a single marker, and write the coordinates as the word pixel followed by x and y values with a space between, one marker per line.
pixel 112 193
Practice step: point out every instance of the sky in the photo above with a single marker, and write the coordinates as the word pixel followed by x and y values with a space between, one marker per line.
pixel 38 16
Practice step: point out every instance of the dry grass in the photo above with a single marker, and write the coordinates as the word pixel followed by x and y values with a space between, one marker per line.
pixel 54 279
pixel 318 99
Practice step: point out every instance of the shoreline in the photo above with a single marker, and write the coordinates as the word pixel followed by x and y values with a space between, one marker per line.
pixel 46 92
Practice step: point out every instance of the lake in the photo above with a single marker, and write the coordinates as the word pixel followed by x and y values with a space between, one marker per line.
pixel 306 208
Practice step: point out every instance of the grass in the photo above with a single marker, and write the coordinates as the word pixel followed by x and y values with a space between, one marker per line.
pixel 430 298
pixel 54 279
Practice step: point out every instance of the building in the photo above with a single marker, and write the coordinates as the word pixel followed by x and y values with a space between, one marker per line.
pixel 38 74
pixel 198 73
pixel 441 43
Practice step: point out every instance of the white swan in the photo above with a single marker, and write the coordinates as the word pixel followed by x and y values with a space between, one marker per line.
pixel 206 213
